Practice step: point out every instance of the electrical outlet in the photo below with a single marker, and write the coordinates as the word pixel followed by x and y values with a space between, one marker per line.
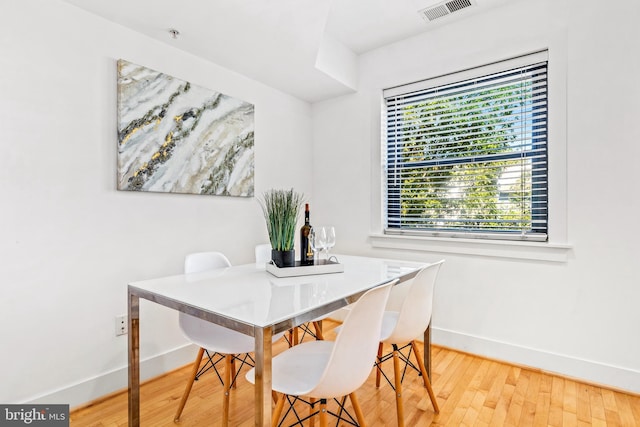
pixel 122 325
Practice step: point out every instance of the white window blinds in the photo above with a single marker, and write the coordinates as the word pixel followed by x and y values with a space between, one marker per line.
pixel 468 156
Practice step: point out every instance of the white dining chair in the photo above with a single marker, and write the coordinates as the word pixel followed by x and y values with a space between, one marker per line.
pixel 263 256
pixel 400 330
pixel 216 342
pixel 322 370
pixel 263 253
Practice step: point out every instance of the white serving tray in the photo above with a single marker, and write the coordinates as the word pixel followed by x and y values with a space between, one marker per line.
pixel 323 267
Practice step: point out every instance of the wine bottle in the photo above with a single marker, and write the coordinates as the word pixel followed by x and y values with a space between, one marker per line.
pixel 306 253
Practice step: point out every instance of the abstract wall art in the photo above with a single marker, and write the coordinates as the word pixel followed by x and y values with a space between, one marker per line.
pixel 176 137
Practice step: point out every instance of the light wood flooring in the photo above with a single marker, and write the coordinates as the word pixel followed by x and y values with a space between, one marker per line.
pixel 471 391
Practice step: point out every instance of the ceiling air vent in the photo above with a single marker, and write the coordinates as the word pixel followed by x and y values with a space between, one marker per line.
pixel 446 8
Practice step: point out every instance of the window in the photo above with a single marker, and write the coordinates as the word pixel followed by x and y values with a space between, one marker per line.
pixel 467 156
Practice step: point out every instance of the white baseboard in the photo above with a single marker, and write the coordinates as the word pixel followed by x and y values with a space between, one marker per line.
pixel 599 373
pixel 582 369
pixel 94 388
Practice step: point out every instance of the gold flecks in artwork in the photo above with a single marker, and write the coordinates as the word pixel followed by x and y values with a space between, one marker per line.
pixel 129 135
pixel 142 168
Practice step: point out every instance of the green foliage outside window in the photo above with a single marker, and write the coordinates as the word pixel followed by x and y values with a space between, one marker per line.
pixel 460 164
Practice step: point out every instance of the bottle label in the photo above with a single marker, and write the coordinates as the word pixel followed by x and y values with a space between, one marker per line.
pixel 306 252
pixel 309 251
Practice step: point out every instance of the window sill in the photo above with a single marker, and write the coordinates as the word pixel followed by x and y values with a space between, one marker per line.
pixel 537 251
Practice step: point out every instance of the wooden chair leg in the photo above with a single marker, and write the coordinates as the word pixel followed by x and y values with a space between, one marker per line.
pixel 312 420
pixel 187 390
pixel 398 385
pixel 278 410
pixel 323 413
pixel 357 409
pixel 343 401
pixel 290 338
pixel 233 371
pixel 317 325
pixel 296 336
pixel 228 361
pixel 425 377
pixel 379 365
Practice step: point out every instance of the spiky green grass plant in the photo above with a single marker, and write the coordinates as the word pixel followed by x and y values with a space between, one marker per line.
pixel 281 209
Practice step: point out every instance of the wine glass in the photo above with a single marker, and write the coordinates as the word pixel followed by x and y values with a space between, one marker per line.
pixel 317 243
pixel 320 240
pixel 331 239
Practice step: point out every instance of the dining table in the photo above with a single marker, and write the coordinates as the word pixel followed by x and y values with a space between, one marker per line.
pixel 249 299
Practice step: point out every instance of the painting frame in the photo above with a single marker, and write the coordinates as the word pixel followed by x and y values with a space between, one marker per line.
pixel 177 137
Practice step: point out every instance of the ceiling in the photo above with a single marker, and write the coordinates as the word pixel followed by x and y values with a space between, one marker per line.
pixel 307 48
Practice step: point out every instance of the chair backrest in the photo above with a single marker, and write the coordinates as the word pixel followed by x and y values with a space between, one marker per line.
pixel 356 346
pixel 203 261
pixel 415 313
pixel 196 263
pixel 263 253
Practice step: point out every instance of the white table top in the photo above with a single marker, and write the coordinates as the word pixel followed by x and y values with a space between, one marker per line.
pixel 246 296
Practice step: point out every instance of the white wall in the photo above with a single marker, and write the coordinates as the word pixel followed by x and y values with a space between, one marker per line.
pixel 580 316
pixel 69 241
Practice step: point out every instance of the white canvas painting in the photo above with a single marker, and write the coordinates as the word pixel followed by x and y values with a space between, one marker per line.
pixel 181 138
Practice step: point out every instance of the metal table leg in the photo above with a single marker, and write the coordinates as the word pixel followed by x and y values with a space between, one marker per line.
pixel 426 351
pixel 134 360
pixel 263 354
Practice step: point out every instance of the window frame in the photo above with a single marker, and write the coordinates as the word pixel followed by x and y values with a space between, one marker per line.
pixel 558 247
pixel 459 79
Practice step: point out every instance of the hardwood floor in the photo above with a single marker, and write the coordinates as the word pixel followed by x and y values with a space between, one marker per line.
pixel 470 390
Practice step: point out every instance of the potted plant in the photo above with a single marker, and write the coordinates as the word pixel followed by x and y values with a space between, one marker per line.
pixel 281 209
